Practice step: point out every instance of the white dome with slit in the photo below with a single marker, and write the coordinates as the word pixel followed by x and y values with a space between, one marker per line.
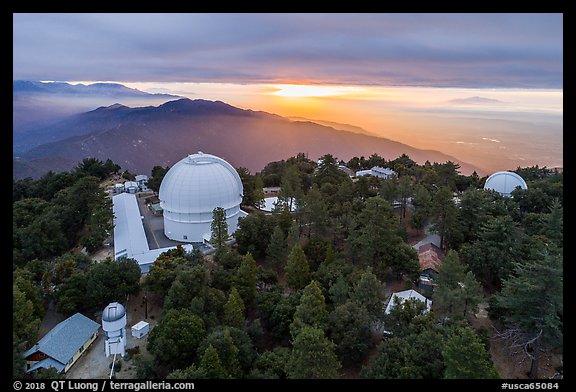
pixel 505 182
pixel 190 191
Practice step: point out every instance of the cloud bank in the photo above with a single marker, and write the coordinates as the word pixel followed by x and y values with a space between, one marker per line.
pixel 436 50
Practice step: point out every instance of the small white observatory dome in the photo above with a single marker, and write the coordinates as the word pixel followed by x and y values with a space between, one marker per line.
pixel 190 191
pixel 114 326
pixel 505 182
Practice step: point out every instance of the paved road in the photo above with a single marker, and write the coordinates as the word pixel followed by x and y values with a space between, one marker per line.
pixel 154 227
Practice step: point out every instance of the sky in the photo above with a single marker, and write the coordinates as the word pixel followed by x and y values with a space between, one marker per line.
pixel 485 88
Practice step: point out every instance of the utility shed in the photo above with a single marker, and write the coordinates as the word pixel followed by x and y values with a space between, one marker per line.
pixel 140 329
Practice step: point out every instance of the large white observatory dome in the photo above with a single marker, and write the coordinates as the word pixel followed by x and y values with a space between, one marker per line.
pixel 505 182
pixel 190 191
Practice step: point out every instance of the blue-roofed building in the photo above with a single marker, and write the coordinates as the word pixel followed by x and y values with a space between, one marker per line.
pixel 63 345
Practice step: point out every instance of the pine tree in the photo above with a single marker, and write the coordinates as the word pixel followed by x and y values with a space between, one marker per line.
pixel 25 323
pixel 533 298
pixel 465 356
pixel 312 356
pixel 211 365
pixel 311 311
pixel 445 214
pixel 315 212
pixel 219 228
pixel 258 192
pixel 457 293
pixel 554 226
pixel 330 255
pixel 369 292
pixel 339 291
pixel 276 250
pixel 290 186
pixel 234 310
pixel 293 237
pixel 350 330
pixel 297 269
pixel 246 277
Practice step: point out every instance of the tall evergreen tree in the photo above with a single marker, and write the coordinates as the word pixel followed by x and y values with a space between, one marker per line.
pixel 246 277
pixel 290 187
pixel 211 365
pixel 375 235
pixel 258 193
pixel 219 229
pixel 491 258
pixel 190 284
pixel 445 217
pixel 175 339
pixel 405 190
pixel 311 311
pixel 457 292
pixel 315 213
pixel 389 363
pixel 350 331
pixel 293 237
pixel 234 310
pixel 339 291
pixel 554 224
pixel 25 323
pixel 369 292
pixel 466 357
pixel 234 348
pixel 312 356
pixel 533 299
pixel 276 250
pixel 297 269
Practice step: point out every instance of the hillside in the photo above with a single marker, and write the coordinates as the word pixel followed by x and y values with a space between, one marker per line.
pixel 36 104
pixel 139 138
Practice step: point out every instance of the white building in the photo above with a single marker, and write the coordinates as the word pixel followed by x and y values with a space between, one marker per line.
pixel 129 235
pixel 140 329
pixel 114 326
pixel 190 191
pixel 119 187
pixel 130 187
pixel 401 296
pixel 377 171
pixel 505 182
pixel 142 180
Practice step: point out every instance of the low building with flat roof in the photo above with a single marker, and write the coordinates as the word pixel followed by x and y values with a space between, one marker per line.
pixel 129 235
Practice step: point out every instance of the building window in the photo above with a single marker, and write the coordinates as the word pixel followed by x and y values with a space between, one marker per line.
pixel 185 237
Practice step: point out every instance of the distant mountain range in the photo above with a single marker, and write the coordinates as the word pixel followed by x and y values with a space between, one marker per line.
pixel 36 104
pixel 139 138
pixel 79 89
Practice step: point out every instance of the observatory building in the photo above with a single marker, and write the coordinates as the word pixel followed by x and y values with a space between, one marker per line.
pixel 114 326
pixel 505 182
pixel 190 191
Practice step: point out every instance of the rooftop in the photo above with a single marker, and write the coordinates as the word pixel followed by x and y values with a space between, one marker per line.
pixel 407 294
pixel 430 256
pixel 66 338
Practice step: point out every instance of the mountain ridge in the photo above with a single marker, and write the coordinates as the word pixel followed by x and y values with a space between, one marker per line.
pixel 139 138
